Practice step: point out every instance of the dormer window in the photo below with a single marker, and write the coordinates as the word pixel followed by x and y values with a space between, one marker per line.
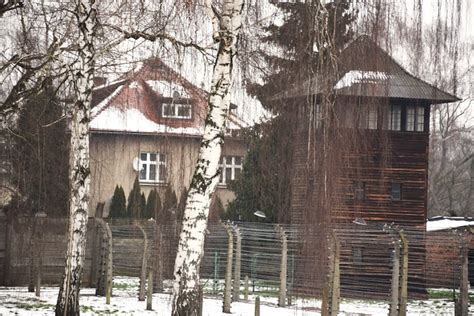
pixel 176 110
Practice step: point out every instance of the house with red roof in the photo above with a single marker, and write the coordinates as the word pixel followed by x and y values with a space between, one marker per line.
pixel 149 125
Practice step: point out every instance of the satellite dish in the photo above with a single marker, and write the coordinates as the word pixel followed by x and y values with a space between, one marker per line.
pixel 136 164
pixel 176 94
pixel 260 214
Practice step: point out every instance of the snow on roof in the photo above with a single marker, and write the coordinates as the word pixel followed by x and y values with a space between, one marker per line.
pixel 131 120
pixel 167 88
pixel 443 223
pixel 100 107
pixel 108 84
pixel 359 76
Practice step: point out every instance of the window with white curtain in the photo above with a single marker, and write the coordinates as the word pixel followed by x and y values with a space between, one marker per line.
pixel 395 118
pixel 152 167
pixel 230 168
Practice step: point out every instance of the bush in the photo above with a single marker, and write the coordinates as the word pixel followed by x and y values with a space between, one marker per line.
pixel 135 202
pixel 118 206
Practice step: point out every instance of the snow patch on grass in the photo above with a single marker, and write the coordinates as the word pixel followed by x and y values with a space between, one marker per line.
pixel 18 301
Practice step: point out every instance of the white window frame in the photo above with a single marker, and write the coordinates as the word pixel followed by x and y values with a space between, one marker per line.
pixel 410 118
pixel 372 118
pixel 395 118
pixel 177 106
pixel 159 161
pixel 415 118
pixel 233 166
pixel 368 118
pixel 420 119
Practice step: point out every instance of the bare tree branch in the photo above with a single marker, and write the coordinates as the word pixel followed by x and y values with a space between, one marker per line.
pixel 153 37
pixel 9 5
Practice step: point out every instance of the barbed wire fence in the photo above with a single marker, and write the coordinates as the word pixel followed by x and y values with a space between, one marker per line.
pixel 242 260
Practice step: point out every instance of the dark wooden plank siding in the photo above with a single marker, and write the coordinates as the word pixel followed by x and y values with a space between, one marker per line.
pixel 376 158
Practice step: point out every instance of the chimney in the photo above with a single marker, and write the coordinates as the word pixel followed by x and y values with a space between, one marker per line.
pixel 99 81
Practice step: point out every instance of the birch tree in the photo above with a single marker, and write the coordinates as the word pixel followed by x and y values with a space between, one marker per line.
pixel 79 177
pixel 226 27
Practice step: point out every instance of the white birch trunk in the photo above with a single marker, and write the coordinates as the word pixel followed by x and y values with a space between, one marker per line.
pixel 79 176
pixel 205 178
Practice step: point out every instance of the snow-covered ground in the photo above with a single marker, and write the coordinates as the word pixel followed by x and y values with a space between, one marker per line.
pixel 18 301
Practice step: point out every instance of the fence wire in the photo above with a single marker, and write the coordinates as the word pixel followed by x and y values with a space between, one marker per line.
pixel 365 256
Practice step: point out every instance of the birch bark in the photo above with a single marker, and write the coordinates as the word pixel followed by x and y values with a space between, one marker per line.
pixel 205 178
pixel 79 176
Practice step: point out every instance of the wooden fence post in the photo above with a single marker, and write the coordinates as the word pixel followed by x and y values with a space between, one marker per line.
pixel 283 266
pixel 238 256
pixel 228 271
pixel 463 302
pixel 403 293
pixel 395 278
pixel 141 292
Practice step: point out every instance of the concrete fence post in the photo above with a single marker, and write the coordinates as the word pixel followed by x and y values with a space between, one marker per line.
pixel 215 283
pixel 104 281
pixel 257 306
pixel 151 266
pixel 201 301
pixel 325 301
pixel 403 293
pixel 395 278
pixel 38 259
pixel 38 276
pixel 283 266
pixel 336 276
pixel 103 252
pixel 8 248
pixel 228 271
pixel 331 292
pixel 292 279
pixel 463 302
pixel 95 254
pixel 109 273
pixel 142 291
pixel 238 257
pixel 33 252
pixel 158 259
pixel 246 288
pixel 149 292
